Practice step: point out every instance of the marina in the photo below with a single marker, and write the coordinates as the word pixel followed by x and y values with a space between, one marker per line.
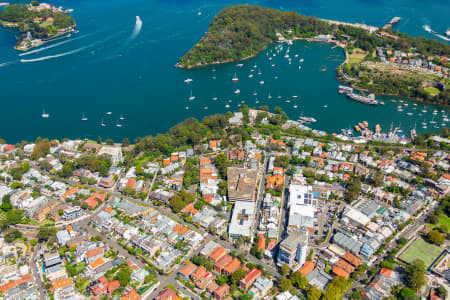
pixel 116 73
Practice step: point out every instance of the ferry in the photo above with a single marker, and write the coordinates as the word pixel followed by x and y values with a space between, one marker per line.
pixel 188 80
pixel 307 119
pixel 342 89
pixel 363 99
pixel 234 79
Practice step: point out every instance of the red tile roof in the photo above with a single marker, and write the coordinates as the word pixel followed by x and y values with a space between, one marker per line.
pixel 307 268
pixel 10 285
pixel 339 272
pixel 254 272
pixel 94 252
pixel 386 272
pixel 262 244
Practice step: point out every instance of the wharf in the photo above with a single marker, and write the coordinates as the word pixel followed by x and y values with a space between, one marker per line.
pixel 392 22
pixel 369 28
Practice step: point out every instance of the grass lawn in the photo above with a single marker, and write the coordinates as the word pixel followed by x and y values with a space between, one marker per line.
pixel 432 91
pixel 356 56
pixel 47 222
pixel 420 249
pixel 443 220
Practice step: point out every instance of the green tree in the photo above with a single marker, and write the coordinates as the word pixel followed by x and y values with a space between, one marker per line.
pixel 109 142
pixel 281 161
pixel 299 280
pixel 124 275
pixel 46 232
pixel 415 275
pixel 285 284
pixel 33 242
pixel 6 203
pixel 238 275
pixel 176 203
pixel 407 293
pixel 125 142
pixel 435 237
pixel 285 269
pixel 313 292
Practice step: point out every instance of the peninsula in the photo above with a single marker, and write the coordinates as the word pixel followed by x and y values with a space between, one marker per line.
pixel 414 67
pixel 38 23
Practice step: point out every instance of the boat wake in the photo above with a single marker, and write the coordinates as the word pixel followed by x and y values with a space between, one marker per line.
pixel 52 46
pixel 69 52
pixel 137 28
pixel 56 55
pixel 428 29
pixel 7 63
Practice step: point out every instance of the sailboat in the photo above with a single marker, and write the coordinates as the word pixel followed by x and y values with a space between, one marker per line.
pixel 259 72
pixel 270 96
pixel 83 117
pixel 118 124
pixel 234 79
pixel 191 97
pixel 44 114
pixel 121 117
pixel 102 124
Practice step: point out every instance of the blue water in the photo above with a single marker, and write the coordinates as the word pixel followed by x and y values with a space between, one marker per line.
pixel 110 65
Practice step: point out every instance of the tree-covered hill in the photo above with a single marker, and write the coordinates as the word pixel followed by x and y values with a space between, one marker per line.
pixel 240 31
pixel 34 21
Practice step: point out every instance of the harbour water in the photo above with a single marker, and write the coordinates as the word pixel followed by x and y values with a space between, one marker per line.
pixel 115 64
